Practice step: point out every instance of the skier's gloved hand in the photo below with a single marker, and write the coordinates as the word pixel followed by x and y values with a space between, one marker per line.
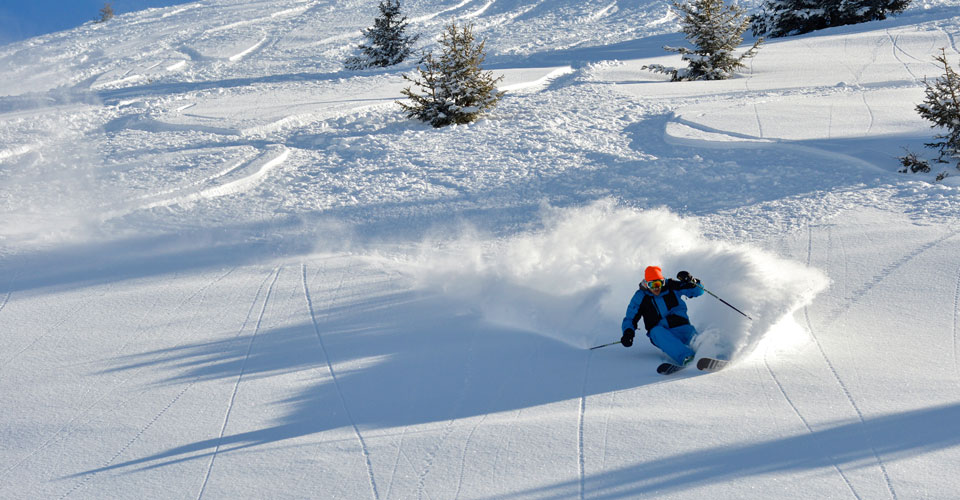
pixel 685 277
pixel 627 339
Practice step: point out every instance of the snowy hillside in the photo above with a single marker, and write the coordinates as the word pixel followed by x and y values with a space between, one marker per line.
pixel 230 268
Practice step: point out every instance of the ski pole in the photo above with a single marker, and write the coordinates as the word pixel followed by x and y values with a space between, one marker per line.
pixel 725 302
pixel 604 345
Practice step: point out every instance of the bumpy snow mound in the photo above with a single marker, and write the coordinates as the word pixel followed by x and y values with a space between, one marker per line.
pixel 572 280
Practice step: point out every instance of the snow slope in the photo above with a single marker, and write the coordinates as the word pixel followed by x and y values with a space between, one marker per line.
pixel 231 269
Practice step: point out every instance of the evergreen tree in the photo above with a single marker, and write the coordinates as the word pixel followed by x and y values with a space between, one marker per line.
pixel 715 29
pixel 387 43
pixel 454 87
pixel 106 13
pixel 779 18
pixel 942 107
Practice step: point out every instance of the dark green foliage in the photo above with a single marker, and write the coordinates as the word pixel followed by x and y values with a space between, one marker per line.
pixel 716 30
pixel 453 88
pixel 911 163
pixel 387 41
pixel 778 18
pixel 941 106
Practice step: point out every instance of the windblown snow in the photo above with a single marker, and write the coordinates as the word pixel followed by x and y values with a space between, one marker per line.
pixel 230 268
pixel 568 280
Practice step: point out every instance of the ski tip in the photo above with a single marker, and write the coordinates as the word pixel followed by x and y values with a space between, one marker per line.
pixel 711 364
pixel 668 368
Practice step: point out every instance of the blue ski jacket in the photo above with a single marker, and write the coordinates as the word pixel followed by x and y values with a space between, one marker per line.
pixel 666 310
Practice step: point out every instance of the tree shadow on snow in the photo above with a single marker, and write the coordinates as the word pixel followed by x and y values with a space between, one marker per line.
pixel 405 358
pixel 400 358
pixel 844 445
pixel 76 265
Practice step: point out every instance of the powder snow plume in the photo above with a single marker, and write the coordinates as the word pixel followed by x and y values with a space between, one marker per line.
pixel 572 280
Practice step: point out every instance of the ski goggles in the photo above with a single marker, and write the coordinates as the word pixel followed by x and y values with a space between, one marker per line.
pixel 655 284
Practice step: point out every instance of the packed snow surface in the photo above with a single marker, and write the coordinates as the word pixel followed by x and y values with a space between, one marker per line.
pixel 230 268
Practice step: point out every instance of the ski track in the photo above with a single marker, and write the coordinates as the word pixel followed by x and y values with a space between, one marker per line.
pixel 480 11
pixel 413 467
pixel 806 424
pixel 756 116
pixel 90 475
pixel 896 48
pixel 863 97
pixel 853 404
pixel 856 74
pixel 876 55
pixel 6 297
pixel 46 332
pixel 855 298
pixel 839 381
pixel 451 423
pixel 429 17
pixel 234 167
pixel 249 50
pixel 396 462
pixel 333 374
pixel 177 11
pixel 500 389
pixel 258 20
pixel 432 456
pixel 201 291
pixel 582 403
pixel 243 368
pixel 62 333
pixel 601 13
pixel 606 427
pixel 580 422
pixel 500 439
pixel 87 477
pixel 238 177
pixel 830 122
pixel 88 388
pixel 467 370
pixel 463 455
pixel 953 41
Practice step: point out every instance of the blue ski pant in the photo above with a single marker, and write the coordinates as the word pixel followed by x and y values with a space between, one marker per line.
pixel 674 342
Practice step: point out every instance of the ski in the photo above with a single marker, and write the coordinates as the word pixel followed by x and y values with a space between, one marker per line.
pixel 668 368
pixel 711 364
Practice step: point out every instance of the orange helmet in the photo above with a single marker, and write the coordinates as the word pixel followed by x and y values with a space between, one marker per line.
pixel 653 273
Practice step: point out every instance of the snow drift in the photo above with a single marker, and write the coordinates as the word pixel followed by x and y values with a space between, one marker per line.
pixel 572 280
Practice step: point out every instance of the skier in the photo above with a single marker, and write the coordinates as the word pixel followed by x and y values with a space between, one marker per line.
pixel 664 313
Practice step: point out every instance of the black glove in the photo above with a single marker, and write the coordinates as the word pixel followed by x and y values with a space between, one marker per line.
pixel 627 339
pixel 685 277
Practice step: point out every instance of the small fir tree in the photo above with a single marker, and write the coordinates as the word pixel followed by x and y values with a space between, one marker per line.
pixel 453 86
pixel 941 106
pixel 778 18
pixel 387 41
pixel 715 29
pixel 106 13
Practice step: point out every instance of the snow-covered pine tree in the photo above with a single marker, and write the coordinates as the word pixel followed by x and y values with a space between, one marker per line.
pixel 716 30
pixel 942 107
pixel 453 86
pixel 387 41
pixel 778 18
